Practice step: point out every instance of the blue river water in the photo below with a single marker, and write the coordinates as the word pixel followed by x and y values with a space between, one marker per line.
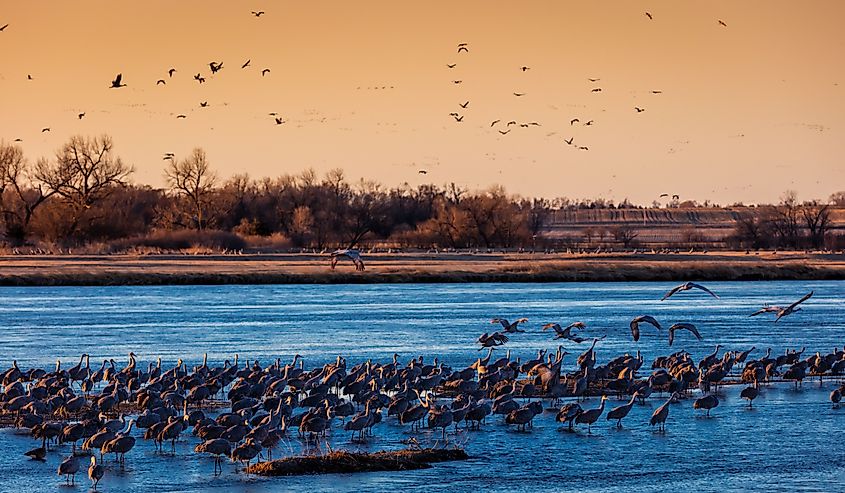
pixel 790 441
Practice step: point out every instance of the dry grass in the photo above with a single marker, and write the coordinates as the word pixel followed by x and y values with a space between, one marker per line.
pixel 351 462
pixel 203 268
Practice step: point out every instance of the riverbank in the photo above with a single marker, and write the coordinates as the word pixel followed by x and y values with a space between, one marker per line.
pixel 414 268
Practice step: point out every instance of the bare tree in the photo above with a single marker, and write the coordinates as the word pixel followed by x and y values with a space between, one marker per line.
pixel 23 197
pixel 193 179
pixel 817 219
pixel 624 234
pixel 85 171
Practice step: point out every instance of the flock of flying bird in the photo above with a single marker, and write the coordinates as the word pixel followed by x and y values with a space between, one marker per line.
pixel 243 411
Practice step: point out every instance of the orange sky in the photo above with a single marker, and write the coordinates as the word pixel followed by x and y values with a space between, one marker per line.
pixel 747 111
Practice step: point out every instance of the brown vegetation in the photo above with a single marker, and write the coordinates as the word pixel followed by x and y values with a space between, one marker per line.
pixel 83 199
pixel 350 462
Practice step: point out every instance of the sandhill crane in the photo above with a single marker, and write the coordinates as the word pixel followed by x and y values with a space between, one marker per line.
pixel 749 393
pixel 38 453
pixel 95 472
pixel 492 340
pixel 836 397
pixel 219 448
pixel 658 417
pixel 707 402
pixel 635 325
pixel 590 416
pixel 789 310
pixel 686 287
pixel 682 326
pixel 121 444
pixel 510 327
pixel 245 452
pixel 351 254
pixel 116 83
pixel 68 468
pixel 619 412
pixel 568 413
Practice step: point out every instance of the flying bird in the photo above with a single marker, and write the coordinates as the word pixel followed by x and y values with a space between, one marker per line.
pixel 512 122
pixel 569 141
pixel 451 65
pixel 722 23
pixel 29 77
pixel 574 121
pixel 635 325
pixel 593 80
pixel 589 123
pixel 265 72
pixel 657 92
pixel 18 140
pixel 676 197
pixel 422 172
pixel 170 72
pixel 116 82
pixel 769 309
pixel 584 148
pixel 199 78
pixel 458 118
pixel 510 327
pixel 215 66
pixel 464 105
pixel 504 132
pixel 81 115
pixel 246 63
pixel 524 68
pixel 686 287
pixel 598 89
pixel 639 110
pixel 793 307
pixel 204 104
pixel 45 129
pixel 463 47
pixel 682 326
pixel 518 94
pixel 647 14
pixel 495 122
pixel 258 14
pixel 279 121
pixel 181 116
pixel 457 81
pixel 664 195
pixel 3 28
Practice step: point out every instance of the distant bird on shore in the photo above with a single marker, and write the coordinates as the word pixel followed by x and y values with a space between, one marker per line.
pixel 170 72
pixel 686 287
pixel 789 310
pixel 463 47
pixel 351 254
pixel 257 14
pixel 683 326
pixel 635 325
pixel 81 115
pixel 246 63
pixel 265 72
pixel 116 83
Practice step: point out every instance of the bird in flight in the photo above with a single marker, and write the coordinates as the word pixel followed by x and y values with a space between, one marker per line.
pixel 258 14
pixel 451 65
pixel 722 23
pixel 569 142
pixel 793 307
pixel 682 326
pixel 279 120
pixel 81 115
pixel 524 68
pixel 199 78
pixel 639 110
pixel 589 123
pixel 574 121
pixel 598 89
pixel 116 82
pixel 512 122
pixel 635 325
pixel 495 122
pixel 676 197
pixel 463 47
pixel 457 81
pixel 181 116
pixel 161 81
pixel 246 63
pixel 584 148
pixel 29 77
pixel 422 172
pixel 18 140
pixel 45 129
pixel 3 28
pixel 664 195
pixel 657 92
pixel 458 118
pixel 593 80
pixel 686 287
pixel 648 14
pixel 215 66
pixel 510 327
pixel 265 72
pixel 504 132
pixel 518 94
pixel 464 105
pixel 204 104
pixel 170 72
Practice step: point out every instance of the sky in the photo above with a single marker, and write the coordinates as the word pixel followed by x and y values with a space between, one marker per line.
pixel 745 111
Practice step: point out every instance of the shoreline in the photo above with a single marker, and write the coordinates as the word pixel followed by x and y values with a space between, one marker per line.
pixel 138 270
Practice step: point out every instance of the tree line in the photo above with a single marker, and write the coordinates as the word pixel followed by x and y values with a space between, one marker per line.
pixel 84 195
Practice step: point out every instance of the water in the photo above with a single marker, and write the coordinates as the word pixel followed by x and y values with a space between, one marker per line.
pixel 790 441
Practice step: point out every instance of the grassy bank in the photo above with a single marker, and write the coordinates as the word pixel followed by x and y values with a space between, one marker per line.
pixel 412 268
pixel 351 462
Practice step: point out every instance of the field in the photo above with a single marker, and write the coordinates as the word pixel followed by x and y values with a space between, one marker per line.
pixel 408 267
